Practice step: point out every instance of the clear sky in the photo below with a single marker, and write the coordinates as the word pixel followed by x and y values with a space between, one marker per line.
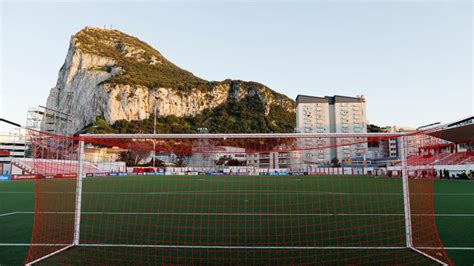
pixel 411 60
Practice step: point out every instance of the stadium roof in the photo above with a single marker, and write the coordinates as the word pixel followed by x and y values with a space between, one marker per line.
pixel 460 131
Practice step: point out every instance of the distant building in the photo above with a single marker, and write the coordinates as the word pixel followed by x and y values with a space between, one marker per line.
pixel 12 145
pixel 420 144
pixel 400 129
pixel 383 149
pixel 331 114
pixel 274 160
pixel 205 157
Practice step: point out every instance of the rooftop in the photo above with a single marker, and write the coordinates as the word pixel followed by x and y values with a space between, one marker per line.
pixel 329 99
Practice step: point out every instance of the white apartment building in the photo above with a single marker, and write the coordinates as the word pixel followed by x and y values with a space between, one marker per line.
pixel 392 148
pixel 270 160
pixel 383 149
pixel 331 114
pixel 205 159
pixel 312 116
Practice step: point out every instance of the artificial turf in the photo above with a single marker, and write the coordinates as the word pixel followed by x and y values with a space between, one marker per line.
pixel 234 211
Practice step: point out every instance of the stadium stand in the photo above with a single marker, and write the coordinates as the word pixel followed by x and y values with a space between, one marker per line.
pixel 457 135
pixel 457 158
pixel 51 166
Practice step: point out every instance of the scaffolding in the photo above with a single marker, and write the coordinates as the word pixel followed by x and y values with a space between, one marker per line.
pixel 49 120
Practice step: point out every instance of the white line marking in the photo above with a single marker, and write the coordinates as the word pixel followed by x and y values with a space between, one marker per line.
pixel 242 192
pixel 49 255
pixel 31 244
pixel 428 256
pixel 106 245
pixel 6 214
pixel 448 248
pixel 447 215
pixel 248 214
pixel 233 247
pixel 245 193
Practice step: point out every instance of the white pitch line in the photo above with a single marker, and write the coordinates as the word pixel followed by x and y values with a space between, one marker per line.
pixel 49 255
pixel 251 193
pixel 234 247
pixel 9 213
pixel 241 192
pixel 247 214
pixel 190 246
pixel 235 192
pixel 31 244
pixel 429 256
pixel 448 248
pixel 446 215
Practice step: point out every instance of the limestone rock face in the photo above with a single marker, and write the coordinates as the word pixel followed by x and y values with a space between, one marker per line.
pixel 77 91
pixel 85 90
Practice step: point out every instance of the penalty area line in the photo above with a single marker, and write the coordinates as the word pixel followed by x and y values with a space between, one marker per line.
pixel 233 247
pixel 239 192
pixel 241 214
pixel 225 247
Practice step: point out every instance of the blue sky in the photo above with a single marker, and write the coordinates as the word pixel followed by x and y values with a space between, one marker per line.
pixel 411 60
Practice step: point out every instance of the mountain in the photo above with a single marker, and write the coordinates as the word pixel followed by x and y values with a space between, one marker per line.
pixel 114 82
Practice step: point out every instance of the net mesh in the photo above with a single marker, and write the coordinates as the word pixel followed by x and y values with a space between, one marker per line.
pixel 232 199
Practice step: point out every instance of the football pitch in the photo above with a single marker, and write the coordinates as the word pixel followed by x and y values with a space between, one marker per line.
pixel 259 217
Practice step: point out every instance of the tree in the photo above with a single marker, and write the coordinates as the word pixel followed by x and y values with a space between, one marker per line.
pixel 223 160
pixel 134 157
pixel 181 159
pixel 335 162
pixel 235 162
pixel 227 160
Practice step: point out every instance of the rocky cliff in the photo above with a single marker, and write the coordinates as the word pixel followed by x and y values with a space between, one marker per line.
pixel 115 76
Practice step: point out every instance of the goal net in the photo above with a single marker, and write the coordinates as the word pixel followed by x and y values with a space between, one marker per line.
pixel 234 199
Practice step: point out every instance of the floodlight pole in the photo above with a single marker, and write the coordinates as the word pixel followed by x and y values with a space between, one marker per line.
pixel 77 209
pixel 154 132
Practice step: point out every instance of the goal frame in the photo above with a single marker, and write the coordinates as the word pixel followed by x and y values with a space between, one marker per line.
pixel 404 170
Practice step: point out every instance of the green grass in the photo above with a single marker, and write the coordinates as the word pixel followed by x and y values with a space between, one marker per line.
pixel 181 210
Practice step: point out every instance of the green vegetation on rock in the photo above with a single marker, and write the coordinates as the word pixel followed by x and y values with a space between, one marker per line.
pixel 142 64
pixel 244 116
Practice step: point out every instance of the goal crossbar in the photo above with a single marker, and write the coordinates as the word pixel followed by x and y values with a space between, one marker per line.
pixel 241 135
